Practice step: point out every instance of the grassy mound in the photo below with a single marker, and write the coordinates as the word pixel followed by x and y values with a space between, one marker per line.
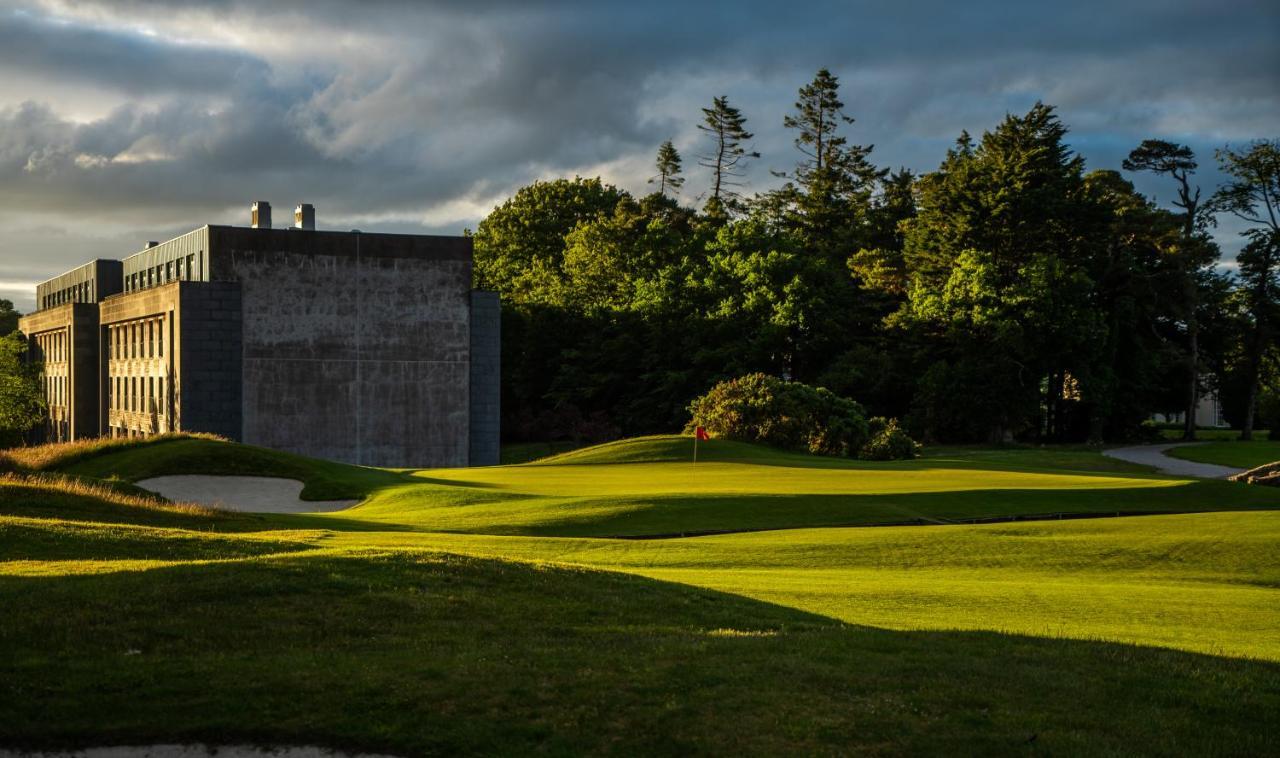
pixel 56 456
pixel 323 480
pixel 50 496
pixel 446 654
pixel 1236 454
pixel 651 487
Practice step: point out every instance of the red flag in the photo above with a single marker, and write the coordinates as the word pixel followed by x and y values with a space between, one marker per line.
pixel 701 433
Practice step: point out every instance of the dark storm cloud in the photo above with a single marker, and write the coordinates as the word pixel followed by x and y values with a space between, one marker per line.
pixel 388 112
pixel 131 63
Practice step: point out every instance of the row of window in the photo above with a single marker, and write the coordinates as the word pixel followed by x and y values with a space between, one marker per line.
pixel 55 391
pixel 53 346
pixel 136 339
pixel 58 431
pixel 162 273
pixel 77 293
pixel 137 394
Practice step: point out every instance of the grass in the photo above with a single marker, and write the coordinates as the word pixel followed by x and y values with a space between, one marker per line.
pixel 192 454
pixel 486 611
pixel 1210 435
pixel 60 455
pixel 525 452
pixel 1237 454
pixel 650 487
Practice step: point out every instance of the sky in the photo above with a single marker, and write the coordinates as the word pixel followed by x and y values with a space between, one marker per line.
pixel 136 120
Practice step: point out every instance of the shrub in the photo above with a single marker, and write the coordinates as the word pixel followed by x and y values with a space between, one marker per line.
pixel 789 415
pixel 888 442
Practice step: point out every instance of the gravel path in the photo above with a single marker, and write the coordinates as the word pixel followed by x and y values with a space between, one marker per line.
pixel 259 494
pixel 1153 455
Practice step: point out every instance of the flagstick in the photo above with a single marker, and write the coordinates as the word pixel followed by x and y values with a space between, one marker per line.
pixel 695 446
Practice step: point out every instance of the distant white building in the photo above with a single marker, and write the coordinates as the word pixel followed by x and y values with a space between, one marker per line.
pixel 1208 413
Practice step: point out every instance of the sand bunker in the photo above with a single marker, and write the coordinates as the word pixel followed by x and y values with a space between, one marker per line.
pixel 259 494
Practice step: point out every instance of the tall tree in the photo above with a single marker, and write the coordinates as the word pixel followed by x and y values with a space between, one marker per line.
pixel 727 128
pixel 519 247
pixel 21 401
pixel 1195 254
pixel 668 166
pixel 8 318
pixel 834 180
pixel 1252 194
pixel 997 286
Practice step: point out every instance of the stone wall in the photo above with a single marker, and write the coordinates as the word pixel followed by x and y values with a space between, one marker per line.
pixel 65 338
pixel 211 344
pixel 486 378
pixel 356 347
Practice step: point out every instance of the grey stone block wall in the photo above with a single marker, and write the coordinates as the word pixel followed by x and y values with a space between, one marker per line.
pixel 486 378
pixel 356 346
pixel 210 354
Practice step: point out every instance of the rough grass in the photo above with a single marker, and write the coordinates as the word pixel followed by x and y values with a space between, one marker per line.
pixel 1238 454
pixel 323 480
pixel 61 455
pixel 73 498
pixel 140 622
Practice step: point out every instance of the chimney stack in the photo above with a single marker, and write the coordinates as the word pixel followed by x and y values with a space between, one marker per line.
pixel 304 217
pixel 151 244
pixel 260 214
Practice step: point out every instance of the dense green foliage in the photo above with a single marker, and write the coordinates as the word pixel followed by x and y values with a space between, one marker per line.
pixel 22 404
pixel 1008 295
pixel 8 318
pixel 787 415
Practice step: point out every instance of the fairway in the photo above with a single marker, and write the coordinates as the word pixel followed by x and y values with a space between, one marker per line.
pixel 561 592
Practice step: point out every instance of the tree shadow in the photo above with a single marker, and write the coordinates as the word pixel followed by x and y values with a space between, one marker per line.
pixel 418 653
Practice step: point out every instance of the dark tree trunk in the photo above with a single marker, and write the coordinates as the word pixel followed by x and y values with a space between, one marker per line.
pixel 1255 371
pixel 1193 360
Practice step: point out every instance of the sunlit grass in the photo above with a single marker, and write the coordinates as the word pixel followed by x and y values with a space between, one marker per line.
pixel 484 610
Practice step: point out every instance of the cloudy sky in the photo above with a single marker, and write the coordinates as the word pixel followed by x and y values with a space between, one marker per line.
pixel 128 120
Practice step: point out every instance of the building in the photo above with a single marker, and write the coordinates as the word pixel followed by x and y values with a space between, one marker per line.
pixel 364 348
pixel 1208 413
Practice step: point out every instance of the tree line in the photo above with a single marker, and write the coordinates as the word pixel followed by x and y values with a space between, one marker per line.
pixel 1008 295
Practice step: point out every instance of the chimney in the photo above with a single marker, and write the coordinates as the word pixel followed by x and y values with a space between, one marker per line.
pixel 304 216
pixel 151 244
pixel 260 214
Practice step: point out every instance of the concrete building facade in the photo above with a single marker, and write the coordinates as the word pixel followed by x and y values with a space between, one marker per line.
pixel 363 348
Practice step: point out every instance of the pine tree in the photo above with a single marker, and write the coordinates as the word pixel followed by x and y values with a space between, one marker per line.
pixel 1252 194
pixel 668 165
pixel 726 125
pixel 1179 163
pixel 834 180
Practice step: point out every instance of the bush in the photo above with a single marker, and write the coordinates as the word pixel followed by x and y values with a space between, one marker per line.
pixel 789 415
pixel 888 442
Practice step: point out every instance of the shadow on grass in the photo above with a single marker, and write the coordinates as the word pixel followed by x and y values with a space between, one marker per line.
pixel 677 516
pixel 428 653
